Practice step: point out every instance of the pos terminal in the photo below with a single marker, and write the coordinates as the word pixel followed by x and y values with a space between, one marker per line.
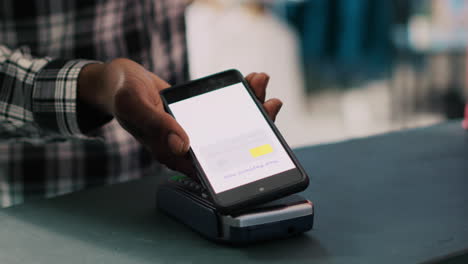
pixel 186 200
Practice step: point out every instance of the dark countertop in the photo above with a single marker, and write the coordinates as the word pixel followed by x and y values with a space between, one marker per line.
pixel 395 198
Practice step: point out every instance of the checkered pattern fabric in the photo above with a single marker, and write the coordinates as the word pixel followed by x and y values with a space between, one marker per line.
pixel 43 46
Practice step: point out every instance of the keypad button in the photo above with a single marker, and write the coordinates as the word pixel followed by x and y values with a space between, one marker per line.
pixel 191 185
pixel 186 182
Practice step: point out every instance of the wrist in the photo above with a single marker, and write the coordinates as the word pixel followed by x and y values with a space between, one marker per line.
pixel 92 98
pixel 92 89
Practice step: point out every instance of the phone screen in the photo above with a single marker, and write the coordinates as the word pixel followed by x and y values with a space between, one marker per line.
pixel 230 137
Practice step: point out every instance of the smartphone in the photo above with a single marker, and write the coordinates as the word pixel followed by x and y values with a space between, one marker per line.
pixel 240 156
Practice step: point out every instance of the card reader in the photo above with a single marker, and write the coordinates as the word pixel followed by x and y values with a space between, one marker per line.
pixel 187 201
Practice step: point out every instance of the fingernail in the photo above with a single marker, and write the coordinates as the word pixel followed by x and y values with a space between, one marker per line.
pixel 262 78
pixel 259 77
pixel 176 144
pixel 250 76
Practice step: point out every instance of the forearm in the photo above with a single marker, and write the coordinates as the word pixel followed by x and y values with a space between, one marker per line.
pixel 39 90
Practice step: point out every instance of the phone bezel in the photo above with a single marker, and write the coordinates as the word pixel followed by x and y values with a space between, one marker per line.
pixel 256 192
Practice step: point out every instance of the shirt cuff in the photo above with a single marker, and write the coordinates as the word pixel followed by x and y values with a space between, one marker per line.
pixel 54 97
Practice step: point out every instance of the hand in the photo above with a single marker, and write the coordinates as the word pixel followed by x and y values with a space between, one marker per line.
pixel 259 82
pixel 130 93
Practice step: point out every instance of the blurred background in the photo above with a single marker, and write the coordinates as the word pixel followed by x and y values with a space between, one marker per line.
pixel 343 68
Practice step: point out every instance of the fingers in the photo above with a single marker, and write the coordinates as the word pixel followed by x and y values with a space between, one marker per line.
pixel 169 134
pixel 177 139
pixel 258 82
pixel 160 83
pixel 144 116
pixel 138 107
pixel 272 107
pixel 249 76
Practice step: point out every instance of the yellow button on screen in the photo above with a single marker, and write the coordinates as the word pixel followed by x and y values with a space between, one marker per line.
pixel 261 150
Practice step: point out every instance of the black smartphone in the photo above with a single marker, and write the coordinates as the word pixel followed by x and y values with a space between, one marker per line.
pixel 238 152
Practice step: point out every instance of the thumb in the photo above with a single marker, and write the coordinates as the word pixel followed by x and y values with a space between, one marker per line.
pixel 173 135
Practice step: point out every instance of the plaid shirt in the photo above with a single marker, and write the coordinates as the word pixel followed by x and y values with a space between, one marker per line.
pixel 43 46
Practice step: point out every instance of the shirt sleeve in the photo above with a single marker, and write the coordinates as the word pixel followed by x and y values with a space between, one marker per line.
pixel 39 90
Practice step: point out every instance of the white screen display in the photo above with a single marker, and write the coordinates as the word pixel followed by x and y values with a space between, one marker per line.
pixel 230 137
